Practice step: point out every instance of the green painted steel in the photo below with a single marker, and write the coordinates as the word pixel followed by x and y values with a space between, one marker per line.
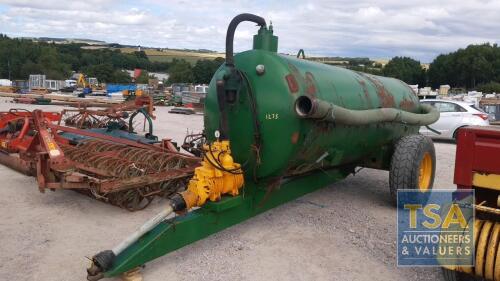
pixel 265 40
pixel 216 216
pixel 144 112
pixel 288 144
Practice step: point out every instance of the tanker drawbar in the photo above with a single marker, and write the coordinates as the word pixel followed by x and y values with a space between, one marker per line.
pixel 278 127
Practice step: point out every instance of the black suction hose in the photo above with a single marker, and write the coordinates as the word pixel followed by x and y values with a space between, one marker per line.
pixel 232 28
pixel 229 95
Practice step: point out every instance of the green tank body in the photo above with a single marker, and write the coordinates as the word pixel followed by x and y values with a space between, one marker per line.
pixel 284 142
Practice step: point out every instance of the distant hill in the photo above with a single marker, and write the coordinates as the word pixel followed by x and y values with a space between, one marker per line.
pixel 154 54
pixel 66 40
pixel 192 56
pixel 167 55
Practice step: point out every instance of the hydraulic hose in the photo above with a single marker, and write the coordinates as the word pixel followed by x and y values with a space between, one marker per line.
pixel 232 28
pixel 306 107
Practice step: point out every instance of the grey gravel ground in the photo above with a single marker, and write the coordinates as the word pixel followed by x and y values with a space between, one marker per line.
pixel 346 231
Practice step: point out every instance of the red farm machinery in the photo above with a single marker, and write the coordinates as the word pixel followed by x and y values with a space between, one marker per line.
pixel 477 167
pixel 100 156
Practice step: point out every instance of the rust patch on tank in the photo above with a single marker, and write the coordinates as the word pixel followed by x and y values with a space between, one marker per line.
pixel 310 84
pixel 294 75
pixel 309 81
pixel 385 97
pixel 295 137
pixel 293 86
pixel 310 152
pixel 295 72
pixel 365 92
pixel 407 104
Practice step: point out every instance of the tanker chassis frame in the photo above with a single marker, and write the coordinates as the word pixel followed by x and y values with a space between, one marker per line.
pixel 213 217
pixel 255 198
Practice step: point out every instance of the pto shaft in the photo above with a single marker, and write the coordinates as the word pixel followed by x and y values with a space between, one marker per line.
pixel 146 227
pixel 103 261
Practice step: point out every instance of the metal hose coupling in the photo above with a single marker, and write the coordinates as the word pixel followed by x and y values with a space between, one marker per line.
pixel 307 107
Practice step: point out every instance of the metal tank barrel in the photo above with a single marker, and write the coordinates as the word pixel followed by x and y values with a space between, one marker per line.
pixel 287 116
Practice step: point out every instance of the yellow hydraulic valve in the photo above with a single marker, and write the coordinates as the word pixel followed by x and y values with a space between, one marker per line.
pixel 218 175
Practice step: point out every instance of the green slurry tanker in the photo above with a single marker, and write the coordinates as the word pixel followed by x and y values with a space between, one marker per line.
pixel 278 127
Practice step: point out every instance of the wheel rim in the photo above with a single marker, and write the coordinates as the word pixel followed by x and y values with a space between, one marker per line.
pixel 425 174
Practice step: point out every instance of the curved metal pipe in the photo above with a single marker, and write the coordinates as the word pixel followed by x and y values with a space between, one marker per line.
pixel 301 52
pixel 232 28
pixel 148 118
pixel 306 107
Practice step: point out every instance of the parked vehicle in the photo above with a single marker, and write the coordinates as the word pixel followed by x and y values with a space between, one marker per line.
pixel 454 115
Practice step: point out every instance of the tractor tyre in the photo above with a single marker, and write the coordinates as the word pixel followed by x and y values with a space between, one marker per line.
pixel 413 165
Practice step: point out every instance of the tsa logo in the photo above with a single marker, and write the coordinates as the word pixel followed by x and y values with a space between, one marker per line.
pixel 435 228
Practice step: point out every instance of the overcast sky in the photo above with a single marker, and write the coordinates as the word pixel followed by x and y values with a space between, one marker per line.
pixel 379 29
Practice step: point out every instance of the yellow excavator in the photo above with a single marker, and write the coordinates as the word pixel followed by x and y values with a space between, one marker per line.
pixel 82 83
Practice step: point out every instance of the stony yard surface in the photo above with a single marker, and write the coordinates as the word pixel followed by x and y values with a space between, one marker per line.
pixel 344 232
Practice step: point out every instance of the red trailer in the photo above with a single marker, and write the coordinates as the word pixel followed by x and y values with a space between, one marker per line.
pixel 477 167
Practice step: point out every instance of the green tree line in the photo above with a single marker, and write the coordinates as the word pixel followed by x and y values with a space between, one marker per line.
pixel 475 67
pixel 19 58
pixel 471 68
pixel 201 73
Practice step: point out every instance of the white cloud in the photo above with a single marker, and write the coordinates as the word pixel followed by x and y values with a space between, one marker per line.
pixel 384 28
pixel 83 6
pixel 369 13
